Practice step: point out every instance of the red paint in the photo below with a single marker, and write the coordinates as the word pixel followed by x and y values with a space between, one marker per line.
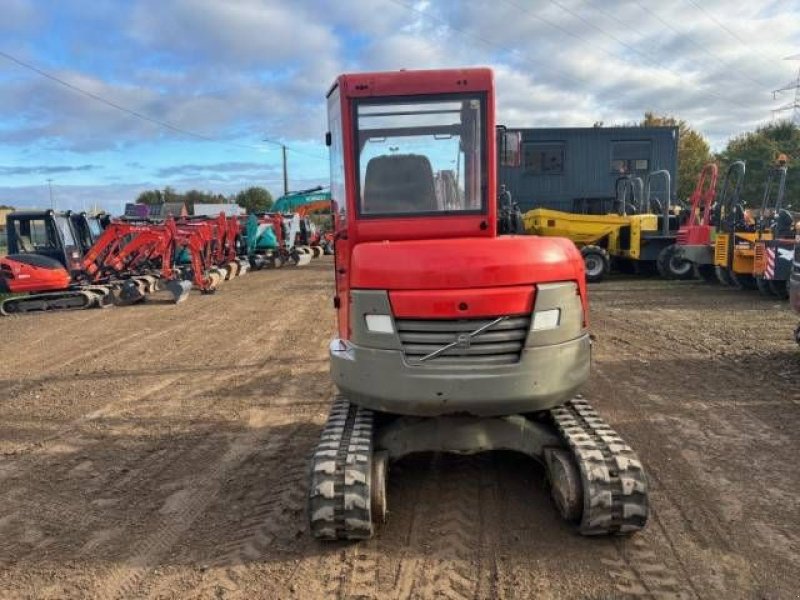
pixel 21 277
pixel 697 229
pixel 431 264
pixel 466 304
pixel 464 263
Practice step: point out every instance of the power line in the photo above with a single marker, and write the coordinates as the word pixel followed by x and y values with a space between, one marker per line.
pixel 794 105
pixel 142 116
pixel 633 49
pixel 729 31
pixel 702 48
pixel 538 65
pixel 486 42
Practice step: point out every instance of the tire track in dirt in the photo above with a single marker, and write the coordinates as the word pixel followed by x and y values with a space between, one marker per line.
pixel 292 323
pixel 452 562
pixel 124 581
pixel 162 460
pixel 699 524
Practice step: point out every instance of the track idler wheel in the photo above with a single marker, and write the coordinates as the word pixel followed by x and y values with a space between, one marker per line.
pixel 565 483
pixel 380 472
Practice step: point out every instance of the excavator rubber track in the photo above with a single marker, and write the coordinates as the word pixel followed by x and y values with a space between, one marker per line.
pixel 606 486
pixel 68 300
pixel 613 479
pixel 339 502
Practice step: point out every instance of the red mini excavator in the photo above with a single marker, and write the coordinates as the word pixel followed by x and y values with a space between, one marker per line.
pixel 451 337
pixel 46 263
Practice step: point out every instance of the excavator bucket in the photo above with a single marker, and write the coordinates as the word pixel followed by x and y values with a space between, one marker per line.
pixel 131 292
pixel 179 289
pixel 214 278
pixel 220 272
pixel 103 295
pixel 147 282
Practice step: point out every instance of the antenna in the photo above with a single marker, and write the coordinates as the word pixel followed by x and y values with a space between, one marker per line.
pixel 794 105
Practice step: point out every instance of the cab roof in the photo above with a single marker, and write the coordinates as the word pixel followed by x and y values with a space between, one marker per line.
pixel 409 83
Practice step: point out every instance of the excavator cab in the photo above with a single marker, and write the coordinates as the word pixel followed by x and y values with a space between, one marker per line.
pixel 87 229
pixel 450 337
pixel 44 233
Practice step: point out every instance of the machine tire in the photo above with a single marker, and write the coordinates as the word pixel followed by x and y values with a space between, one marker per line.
pixel 706 272
pixel 671 267
pixel 764 288
pixel 597 263
pixel 723 275
pixel 779 288
pixel 742 281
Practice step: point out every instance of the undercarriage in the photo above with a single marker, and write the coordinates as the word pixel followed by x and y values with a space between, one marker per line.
pixel 596 481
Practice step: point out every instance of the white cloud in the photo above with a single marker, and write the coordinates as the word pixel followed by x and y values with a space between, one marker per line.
pixel 242 70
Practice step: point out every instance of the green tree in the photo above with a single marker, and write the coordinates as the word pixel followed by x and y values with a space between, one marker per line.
pixel 254 199
pixel 150 197
pixel 760 150
pixel 170 195
pixel 693 151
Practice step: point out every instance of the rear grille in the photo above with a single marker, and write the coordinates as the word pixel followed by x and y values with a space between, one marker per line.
pixel 501 344
pixel 682 237
pixel 721 248
pixel 759 259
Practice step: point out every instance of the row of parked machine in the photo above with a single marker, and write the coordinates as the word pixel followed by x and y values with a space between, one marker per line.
pixel 714 237
pixel 63 261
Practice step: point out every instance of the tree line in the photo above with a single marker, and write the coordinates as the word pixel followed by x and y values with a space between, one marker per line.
pixel 759 149
pixel 252 199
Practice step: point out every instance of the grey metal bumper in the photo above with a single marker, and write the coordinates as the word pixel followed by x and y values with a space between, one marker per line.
pixel 546 376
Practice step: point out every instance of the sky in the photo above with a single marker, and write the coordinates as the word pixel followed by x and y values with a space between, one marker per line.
pixel 211 80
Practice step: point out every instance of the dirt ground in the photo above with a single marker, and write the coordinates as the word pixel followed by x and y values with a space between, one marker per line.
pixel 160 451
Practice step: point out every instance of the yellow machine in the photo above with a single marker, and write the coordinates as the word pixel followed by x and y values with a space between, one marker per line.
pixel 641 231
pixel 740 238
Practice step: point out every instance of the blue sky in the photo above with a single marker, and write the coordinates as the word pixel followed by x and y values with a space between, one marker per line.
pixel 239 71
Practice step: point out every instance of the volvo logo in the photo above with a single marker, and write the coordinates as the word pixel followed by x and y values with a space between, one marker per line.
pixel 463 340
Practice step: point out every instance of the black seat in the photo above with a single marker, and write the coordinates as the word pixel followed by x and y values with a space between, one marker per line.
pixel 401 183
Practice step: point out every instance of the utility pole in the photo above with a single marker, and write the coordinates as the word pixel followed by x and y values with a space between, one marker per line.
pixel 50 187
pixel 285 167
pixel 285 172
pixel 794 105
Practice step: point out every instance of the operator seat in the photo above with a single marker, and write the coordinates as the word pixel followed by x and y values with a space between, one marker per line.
pixel 400 183
pixel 25 244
